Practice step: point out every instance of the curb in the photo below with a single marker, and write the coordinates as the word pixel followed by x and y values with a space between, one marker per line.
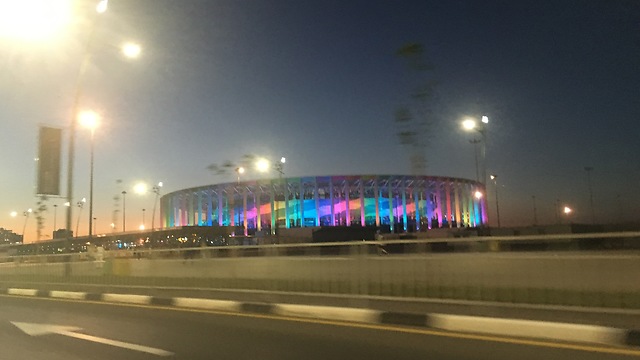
pixel 555 331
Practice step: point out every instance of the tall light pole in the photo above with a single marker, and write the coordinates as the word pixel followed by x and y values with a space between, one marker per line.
pixel 156 190
pixel 495 183
pixel 55 216
pixel 81 206
pixel 26 217
pixel 143 211
pixel 588 169
pixel 124 209
pixel 89 119
pixel 263 165
pixel 471 125
pixel 100 8
pixel 475 143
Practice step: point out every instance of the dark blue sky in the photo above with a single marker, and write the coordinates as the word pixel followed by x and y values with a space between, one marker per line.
pixel 318 82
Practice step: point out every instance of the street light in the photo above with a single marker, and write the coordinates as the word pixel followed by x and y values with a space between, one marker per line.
pixel 81 206
pixel 33 20
pixel 143 211
pixel 89 120
pixel 239 170
pixel 495 183
pixel 156 190
pixel 131 50
pixel 472 125
pixel 100 9
pixel 26 217
pixel 478 194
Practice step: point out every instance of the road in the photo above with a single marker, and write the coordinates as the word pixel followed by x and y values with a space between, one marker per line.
pixel 187 334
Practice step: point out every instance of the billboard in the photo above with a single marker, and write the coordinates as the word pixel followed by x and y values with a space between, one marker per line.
pixel 49 153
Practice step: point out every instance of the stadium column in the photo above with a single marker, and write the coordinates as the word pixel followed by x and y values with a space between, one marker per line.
pixel 485 212
pixel 220 206
pixel 274 216
pixel 316 198
pixel 347 201
pixel 231 205
pixel 285 191
pixel 404 205
pixel 429 204
pixel 199 212
pixel 416 202
pixel 333 210
pixel 244 211
pixel 209 207
pixel 362 209
pixel 392 217
pixel 190 209
pixel 472 215
pixel 301 192
pixel 439 204
pixel 456 197
pixel 376 191
pixel 447 189
pixel 257 195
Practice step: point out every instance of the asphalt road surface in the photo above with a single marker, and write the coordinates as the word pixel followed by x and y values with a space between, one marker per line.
pixel 85 330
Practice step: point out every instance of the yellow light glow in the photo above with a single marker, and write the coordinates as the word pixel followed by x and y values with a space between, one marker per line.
pixel 102 6
pixel 140 188
pixel 262 165
pixel 478 195
pixel 240 170
pixel 14 214
pixel 567 210
pixel 33 20
pixel 89 119
pixel 141 227
pixel 131 50
pixel 469 124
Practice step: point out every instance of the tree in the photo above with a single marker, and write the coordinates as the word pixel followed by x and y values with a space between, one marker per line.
pixel 414 117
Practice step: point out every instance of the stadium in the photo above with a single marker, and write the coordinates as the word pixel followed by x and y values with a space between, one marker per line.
pixel 396 203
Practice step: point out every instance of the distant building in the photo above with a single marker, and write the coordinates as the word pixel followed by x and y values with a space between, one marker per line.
pixel 8 237
pixel 398 203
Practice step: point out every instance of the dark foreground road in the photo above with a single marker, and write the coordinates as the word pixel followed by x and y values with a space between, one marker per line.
pixel 104 331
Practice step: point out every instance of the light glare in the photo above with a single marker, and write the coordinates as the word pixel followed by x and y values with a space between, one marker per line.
pixel 102 6
pixel 140 188
pixel 131 50
pixel 262 165
pixel 89 119
pixel 469 124
pixel 478 195
pixel 485 119
pixel 33 20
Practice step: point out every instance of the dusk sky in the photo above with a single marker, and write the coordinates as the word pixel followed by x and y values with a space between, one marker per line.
pixel 318 82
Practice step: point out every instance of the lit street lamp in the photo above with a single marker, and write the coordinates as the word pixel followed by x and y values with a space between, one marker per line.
pixel 131 52
pixel 26 217
pixel 156 190
pixel 81 206
pixel 89 120
pixel 239 170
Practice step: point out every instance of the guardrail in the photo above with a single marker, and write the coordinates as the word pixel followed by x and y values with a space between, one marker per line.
pixel 586 270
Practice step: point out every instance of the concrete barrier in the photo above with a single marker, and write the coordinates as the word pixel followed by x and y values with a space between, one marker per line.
pixel 579 278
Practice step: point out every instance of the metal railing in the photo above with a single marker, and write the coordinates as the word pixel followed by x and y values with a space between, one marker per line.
pixel 586 269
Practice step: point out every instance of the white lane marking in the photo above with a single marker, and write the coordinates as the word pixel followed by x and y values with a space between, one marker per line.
pixel 328 313
pixel 128 299
pixel 207 304
pixel 45 329
pixel 23 292
pixel 528 328
pixel 68 295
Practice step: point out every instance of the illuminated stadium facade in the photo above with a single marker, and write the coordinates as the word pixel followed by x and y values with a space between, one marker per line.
pixel 400 203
